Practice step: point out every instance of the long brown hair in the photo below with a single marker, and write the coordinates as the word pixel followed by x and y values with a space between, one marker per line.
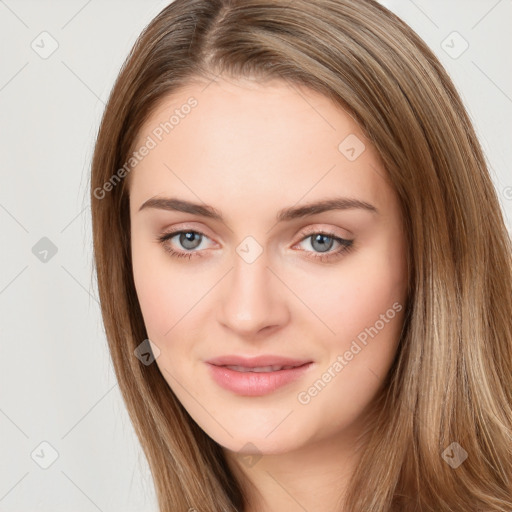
pixel 451 380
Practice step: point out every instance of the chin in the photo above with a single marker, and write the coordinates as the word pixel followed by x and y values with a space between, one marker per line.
pixel 258 445
pixel 246 439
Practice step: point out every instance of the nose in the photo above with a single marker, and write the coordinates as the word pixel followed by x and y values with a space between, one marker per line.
pixel 252 299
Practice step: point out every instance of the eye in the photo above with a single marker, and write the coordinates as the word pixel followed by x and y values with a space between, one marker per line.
pixel 323 242
pixel 188 239
pixel 190 242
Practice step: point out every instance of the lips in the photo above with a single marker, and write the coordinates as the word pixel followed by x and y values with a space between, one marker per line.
pixel 256 376
pixel 259 369
pixel 254 363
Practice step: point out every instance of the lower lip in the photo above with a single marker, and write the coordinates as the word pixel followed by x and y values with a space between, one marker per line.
pixel 255 383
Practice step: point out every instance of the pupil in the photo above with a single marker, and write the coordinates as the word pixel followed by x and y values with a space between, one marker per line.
pixel 321 238
pixel 187 240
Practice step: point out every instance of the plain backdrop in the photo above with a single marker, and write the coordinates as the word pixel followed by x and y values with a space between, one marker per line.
pixel 66 442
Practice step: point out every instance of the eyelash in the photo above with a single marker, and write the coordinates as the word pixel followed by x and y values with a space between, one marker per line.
pixel 346 245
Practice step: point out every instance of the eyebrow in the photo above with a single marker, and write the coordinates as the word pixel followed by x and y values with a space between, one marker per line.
pixel 286 214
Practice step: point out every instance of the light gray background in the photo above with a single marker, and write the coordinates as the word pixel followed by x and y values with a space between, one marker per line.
pixel 56 380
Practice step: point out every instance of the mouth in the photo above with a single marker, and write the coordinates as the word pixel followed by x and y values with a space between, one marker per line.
pixel 259 369
pixel 256 376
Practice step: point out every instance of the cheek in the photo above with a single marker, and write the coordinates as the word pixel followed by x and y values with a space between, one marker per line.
pixel 352 295
pixel 162 291
pixel 366 317
pixel 362 303
pixel 167 290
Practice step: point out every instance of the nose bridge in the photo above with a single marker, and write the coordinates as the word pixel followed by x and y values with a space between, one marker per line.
pixel 250 299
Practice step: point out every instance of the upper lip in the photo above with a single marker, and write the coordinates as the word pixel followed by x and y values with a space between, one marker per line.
pixel 254 362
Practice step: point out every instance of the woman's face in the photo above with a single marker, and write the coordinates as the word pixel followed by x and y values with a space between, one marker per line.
pixel 283 248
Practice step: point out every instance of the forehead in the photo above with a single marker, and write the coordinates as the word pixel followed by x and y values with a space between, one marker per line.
pixel 231 140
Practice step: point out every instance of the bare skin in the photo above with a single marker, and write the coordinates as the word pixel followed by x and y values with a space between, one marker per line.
pixel 250 150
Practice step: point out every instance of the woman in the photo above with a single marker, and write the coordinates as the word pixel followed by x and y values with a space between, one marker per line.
pixel 304 272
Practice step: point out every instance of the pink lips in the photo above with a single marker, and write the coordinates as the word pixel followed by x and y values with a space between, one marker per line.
pixel 255 376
